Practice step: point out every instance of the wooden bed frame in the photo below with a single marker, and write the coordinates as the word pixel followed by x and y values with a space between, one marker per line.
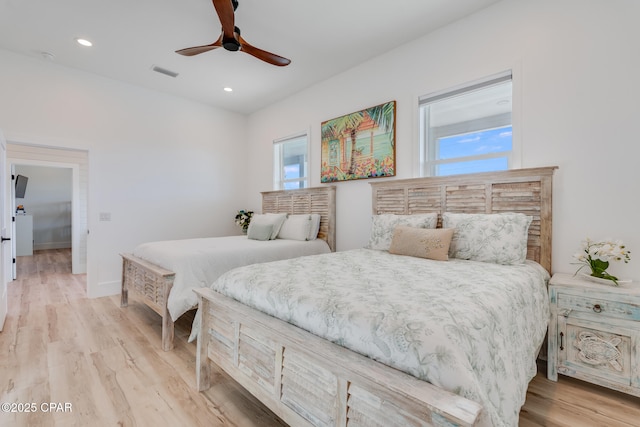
pixel 306 380
pixel 153 283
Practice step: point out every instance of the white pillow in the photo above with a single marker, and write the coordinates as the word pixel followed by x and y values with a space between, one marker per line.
pixel 496 238
pixel 384 224
pixel 260 231
pixel 295 227
pixel 275 220
pixel 315 226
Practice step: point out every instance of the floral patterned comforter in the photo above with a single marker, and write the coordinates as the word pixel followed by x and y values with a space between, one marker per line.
pixel 469 327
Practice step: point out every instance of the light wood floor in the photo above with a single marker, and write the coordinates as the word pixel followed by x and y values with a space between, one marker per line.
pixel 58 346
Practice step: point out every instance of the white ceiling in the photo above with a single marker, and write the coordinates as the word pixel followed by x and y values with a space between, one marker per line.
pixel 322 38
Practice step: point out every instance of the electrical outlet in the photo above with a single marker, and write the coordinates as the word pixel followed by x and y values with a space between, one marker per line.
pixel 105 216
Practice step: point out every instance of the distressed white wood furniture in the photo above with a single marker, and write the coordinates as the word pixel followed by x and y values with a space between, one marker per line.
pixel 527 191
pixel 594 332
pixel 152 283
pixel 306 380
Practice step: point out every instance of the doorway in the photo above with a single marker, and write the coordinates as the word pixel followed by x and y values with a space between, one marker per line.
pixel 76 161
pixel 43 217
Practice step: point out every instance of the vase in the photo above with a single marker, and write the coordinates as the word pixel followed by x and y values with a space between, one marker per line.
pixel 603 281
pixel 244 231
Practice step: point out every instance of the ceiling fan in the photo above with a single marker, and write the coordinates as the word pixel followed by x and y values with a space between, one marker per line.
pixel 231 40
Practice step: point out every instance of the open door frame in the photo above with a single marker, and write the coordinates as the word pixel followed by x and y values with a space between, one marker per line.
pixel 76 265
pixel 5 248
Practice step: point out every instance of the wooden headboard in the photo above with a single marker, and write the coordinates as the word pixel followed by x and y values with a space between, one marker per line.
pixel 518 190
pixel 317 200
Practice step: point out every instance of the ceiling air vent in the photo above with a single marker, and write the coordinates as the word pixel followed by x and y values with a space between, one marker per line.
pixel 164 71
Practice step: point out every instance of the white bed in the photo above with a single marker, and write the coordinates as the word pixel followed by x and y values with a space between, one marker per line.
pixel 199 262
pixel 164 273
pixel 367 337
pixel 468 327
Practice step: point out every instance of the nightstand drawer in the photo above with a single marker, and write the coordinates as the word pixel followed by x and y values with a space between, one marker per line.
pixel 603 307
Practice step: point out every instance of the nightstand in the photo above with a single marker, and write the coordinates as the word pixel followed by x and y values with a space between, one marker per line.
pixel 594 332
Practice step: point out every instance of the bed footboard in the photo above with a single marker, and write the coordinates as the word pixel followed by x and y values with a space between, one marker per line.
pixel 152 284
pixel 308 381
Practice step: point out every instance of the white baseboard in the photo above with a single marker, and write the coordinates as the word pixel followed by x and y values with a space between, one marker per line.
pixel 105 289
pixel 51 245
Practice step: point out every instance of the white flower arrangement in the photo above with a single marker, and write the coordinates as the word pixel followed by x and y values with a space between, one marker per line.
pixel 597 255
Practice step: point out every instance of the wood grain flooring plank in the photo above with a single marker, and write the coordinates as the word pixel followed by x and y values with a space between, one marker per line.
pixel 114 390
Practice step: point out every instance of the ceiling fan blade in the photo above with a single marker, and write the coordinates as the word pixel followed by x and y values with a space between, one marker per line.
pixel 263 55
pixel 190 51
pixel 225 11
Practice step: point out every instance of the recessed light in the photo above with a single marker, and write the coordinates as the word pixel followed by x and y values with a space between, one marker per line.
pixel 84 42
pixel 228 89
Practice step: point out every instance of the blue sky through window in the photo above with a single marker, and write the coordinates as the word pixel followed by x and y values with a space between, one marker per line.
pixel 475 143
pixel 292 171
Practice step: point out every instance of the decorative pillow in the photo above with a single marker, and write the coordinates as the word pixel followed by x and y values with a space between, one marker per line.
pixel 259 231
pixel 275 220
pixel 421 242
pixel 296 227
pixel 315 226
pixel 496 238
pixel 383 225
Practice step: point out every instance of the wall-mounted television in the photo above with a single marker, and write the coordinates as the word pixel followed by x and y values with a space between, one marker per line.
pixel 21 186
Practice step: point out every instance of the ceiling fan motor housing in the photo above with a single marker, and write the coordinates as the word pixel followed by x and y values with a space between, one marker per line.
pixel 232 44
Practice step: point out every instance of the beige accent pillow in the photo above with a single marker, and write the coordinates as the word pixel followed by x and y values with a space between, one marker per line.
pixel 383 225
pixel 422 242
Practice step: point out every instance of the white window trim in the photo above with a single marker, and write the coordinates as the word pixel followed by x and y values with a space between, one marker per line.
pixel 421 168
pixel 278 178
pixel 516 115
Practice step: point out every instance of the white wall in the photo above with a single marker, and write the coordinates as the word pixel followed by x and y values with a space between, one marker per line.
pixel 161 166
pixel 166 168
pixel 576 68
pixel 48 200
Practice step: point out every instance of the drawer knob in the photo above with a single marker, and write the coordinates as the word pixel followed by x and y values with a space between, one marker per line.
pixel 597 308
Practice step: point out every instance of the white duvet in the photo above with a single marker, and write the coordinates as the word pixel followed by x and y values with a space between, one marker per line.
pixel 472 328
pixel 199 262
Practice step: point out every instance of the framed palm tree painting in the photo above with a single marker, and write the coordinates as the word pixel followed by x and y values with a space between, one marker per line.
pixel 360 145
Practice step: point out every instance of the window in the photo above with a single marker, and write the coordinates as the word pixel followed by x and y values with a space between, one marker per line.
pixel 467 129
pixel 290 162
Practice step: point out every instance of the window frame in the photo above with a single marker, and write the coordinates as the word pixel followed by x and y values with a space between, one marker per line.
pixel 427 161
pixel 279 180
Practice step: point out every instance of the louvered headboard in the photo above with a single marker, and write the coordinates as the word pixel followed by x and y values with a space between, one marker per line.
pixel 318 200
pixel 518 190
